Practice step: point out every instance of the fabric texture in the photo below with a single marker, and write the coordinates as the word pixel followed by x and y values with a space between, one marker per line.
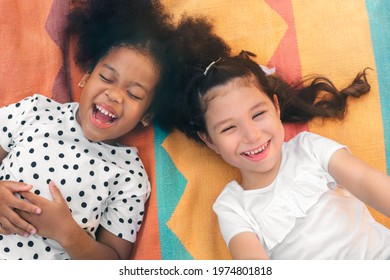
pixel 333 38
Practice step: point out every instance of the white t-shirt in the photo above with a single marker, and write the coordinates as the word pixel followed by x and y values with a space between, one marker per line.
pixel 303 214
pixel 102 184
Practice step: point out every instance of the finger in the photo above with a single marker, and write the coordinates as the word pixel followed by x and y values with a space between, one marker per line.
pixel 17 186
pixel 21 224
pixel 26 205
pixel 55 192
pixel 3 229
pixel 20 227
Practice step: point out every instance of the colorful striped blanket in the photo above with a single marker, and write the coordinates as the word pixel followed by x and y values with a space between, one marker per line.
pixel 336 38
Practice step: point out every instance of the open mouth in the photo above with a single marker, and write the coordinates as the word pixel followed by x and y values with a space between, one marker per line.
pixel 256 152
pixel 103 115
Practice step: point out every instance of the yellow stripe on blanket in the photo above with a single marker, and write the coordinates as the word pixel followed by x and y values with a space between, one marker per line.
pixel 206 175
pixel 339 53
pixel 249 24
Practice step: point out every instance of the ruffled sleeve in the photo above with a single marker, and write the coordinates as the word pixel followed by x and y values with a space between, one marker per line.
pixel 280 218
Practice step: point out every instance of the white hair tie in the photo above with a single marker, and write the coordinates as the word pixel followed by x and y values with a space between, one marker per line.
pixel 268 71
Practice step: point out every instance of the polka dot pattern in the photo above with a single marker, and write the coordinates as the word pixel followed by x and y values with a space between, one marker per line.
pixel 103 185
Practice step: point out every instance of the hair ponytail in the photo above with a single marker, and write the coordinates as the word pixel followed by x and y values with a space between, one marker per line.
pixel 300 104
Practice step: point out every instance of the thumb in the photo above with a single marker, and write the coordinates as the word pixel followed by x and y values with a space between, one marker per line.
pixel 17 186
pixel 55 192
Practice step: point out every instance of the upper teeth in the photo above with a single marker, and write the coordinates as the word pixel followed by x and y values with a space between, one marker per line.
pixel 257 150
pixel 104 111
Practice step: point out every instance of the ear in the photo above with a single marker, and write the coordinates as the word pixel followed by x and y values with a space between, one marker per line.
pixel 207 140
pixel 276 103
pixel 83 81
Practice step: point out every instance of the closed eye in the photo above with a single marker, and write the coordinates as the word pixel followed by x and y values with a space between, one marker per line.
pixel 104 79
pixel 258 114
pixel 227 128
pixel 136 97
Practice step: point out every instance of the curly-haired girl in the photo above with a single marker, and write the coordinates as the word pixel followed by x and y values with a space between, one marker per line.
pixel 84 193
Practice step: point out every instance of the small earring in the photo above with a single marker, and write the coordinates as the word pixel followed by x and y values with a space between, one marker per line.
pixel 144 123
pixel 83 80
pixel 146 120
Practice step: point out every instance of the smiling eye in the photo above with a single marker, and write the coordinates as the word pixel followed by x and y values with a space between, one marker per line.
pixel 227 129
pixel 258 114
pixel 105 79
pixel 133 96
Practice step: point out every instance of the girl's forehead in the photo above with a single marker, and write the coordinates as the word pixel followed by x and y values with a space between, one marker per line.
pixel 131 68
pixel 234 85
pixel 120 52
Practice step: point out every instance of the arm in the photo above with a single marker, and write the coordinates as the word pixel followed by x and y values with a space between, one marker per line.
pixel 3 154
pixel 246 246
pixel 366 183
pixel 10 221
pixel 80 246
pixel 56 222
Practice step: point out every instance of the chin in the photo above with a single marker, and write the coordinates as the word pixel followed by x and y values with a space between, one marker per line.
pixel 93 138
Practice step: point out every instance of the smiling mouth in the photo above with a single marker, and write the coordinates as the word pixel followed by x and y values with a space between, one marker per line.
pixel 103 115
pixel 256 151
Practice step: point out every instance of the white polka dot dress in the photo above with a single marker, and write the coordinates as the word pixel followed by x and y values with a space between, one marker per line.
pixel 102 184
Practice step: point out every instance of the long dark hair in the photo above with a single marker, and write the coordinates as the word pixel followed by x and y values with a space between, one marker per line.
pixel 299 102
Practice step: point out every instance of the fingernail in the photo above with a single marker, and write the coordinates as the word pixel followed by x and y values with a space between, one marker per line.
pixel 33 231
pixel 38 211
pixel 26 234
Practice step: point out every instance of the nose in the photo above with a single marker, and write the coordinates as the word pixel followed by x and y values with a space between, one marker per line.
pixel 115 95
pixel 250 132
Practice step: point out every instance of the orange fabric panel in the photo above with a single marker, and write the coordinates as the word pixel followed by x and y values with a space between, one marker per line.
pixel 30 60
pixel 148 239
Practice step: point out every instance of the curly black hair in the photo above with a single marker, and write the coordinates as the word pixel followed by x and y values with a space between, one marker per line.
pixel 101 25
pixel 196 45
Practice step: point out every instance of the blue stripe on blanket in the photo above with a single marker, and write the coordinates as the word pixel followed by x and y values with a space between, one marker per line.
pixel 170 185
pixel 379 17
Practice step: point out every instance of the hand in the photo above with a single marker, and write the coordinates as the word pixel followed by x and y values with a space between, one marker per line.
pixel 10 221
pixel 55 221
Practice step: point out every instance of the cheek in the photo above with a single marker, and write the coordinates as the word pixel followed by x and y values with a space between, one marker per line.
pixel 130 120
pixel 226 147
pixel 275 125
pixel 132 110
pixel 279 135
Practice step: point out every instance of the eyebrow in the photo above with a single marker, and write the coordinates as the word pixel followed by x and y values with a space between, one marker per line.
pixel 257 105
pixel 221 123
pixel 109 67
